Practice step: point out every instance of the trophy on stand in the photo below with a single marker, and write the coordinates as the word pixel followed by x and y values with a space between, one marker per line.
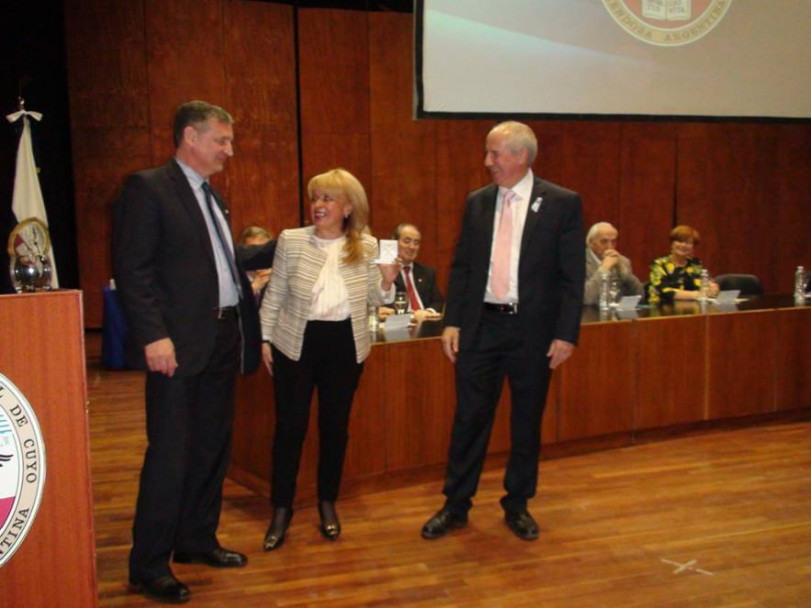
pixel 28 247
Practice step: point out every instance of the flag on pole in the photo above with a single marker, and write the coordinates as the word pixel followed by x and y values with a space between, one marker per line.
pixel 27 200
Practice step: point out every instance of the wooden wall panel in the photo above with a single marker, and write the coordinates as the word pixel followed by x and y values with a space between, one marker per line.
pixel 403 150
pixel 107 74
pixel 261 90
pixel 591 167
pixel 790 207
pixel 334 89
pixel 185 53
pixel 647 193
pixel 671 371
pixel 737 386
pixel 727 182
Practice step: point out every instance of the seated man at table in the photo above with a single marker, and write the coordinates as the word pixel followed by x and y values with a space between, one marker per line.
pixel 417 280
pixel 602 256
pixel 255 252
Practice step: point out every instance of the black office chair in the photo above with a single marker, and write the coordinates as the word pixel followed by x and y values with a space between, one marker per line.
pixel 748 284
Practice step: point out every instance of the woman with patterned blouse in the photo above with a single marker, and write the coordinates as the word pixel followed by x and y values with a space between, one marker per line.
pixel 677 276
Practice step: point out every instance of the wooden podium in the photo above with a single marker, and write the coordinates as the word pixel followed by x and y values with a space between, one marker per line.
pixel 42 353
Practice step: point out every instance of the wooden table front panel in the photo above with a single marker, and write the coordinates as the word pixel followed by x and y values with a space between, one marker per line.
pixel 671 362
pixel 741 364
pixel 793 355
pixel 597 383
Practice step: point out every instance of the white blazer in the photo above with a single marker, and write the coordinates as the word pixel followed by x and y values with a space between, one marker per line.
pixel 296 266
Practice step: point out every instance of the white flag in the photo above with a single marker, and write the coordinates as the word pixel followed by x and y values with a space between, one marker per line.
pixel 27 199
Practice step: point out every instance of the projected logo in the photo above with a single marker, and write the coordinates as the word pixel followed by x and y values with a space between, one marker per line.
pixel 22 468
pixel 667 22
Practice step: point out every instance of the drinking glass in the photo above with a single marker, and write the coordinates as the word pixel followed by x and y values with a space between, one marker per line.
pixel 400 303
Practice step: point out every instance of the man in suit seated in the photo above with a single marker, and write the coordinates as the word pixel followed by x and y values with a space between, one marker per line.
pixel 425 300
pixel 602 256
pixel 255 252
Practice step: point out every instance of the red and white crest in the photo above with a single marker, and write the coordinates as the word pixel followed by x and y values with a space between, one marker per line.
pixel 667 22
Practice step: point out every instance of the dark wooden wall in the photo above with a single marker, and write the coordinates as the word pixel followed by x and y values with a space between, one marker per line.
pixel 745 186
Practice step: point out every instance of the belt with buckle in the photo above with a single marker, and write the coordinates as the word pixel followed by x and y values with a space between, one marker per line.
pixel 225 313
pixel 502 309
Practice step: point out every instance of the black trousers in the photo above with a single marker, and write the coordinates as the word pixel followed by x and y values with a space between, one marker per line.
pixel 189 420
pixel 501 349
pixel 328 362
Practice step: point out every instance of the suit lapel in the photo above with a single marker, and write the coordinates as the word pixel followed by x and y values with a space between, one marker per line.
pixel 486 218
pixel 534 213
pixel 189 202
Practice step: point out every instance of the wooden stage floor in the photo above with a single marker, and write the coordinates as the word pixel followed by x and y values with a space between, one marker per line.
pixel 719 520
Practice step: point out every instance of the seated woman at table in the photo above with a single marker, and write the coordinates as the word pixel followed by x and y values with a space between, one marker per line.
pixel 677 276
pixel 316 335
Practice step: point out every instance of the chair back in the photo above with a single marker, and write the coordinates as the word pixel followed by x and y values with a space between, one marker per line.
pixel 749 284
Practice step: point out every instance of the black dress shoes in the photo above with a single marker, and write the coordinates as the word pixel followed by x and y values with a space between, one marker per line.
pixel 522 524
pixel 330 526
pixel 166 589
pixel 216 558
pixel 279 523
pixel 443 522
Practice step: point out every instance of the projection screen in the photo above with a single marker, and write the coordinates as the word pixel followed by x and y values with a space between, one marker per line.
pixel 691 58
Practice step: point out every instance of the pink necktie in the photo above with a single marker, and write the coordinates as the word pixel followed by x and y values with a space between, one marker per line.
pixel 500 279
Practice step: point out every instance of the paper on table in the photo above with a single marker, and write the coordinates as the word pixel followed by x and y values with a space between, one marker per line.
pixel 628 302
pixel 394 322
pixel 727 296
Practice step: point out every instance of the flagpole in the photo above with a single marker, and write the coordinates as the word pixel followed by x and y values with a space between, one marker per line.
pixel 27 201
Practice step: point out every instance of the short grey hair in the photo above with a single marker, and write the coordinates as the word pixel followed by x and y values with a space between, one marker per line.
pixel 596 228
pixel 519 137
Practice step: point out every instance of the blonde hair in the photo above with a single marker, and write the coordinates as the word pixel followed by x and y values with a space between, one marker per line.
pixel 340 183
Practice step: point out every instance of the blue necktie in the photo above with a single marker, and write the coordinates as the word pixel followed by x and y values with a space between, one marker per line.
pixel 232 265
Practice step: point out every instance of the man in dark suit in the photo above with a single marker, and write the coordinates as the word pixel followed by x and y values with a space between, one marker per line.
pixel 514 303
pixel 193 323
pixel 424 299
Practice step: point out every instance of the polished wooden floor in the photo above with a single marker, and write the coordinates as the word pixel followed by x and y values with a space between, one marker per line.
pixel 719 520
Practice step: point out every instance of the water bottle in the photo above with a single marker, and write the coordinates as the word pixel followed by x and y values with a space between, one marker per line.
pixel 799 284
pixel 603 290
pixel 704 290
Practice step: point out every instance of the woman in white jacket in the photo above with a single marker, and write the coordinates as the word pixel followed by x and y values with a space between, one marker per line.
pixel 316 334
